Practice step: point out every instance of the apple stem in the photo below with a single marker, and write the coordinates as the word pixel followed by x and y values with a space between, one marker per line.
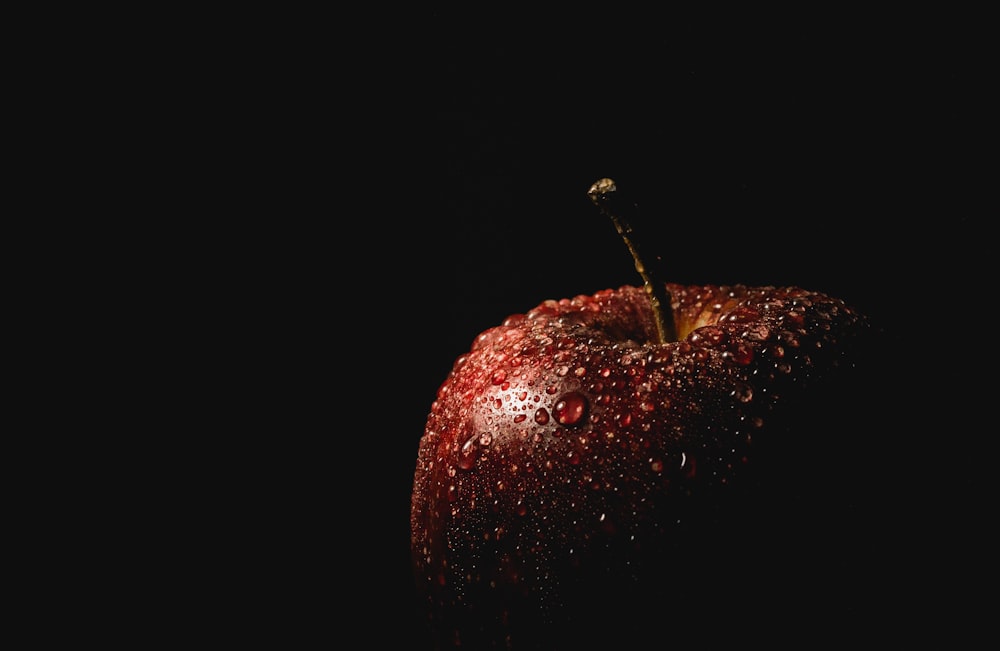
pixel 604 193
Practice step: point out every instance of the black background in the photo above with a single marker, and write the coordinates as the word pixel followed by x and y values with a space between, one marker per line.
pixel 436 183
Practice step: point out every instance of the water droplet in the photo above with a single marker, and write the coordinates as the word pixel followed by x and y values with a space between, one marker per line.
pixel 656 465
pixel 743 392
pixel 789 339
pixel 662 355
pixel 740 354
pixel 520 418
pixel 570 408
pixel 691 466
pixel 514 334
pixel 794 318
pixel 757 333
pixel 485 438
pixel 710 335
pixel 542 416
pixel 499 377
pixel 742 314
pixel 468 454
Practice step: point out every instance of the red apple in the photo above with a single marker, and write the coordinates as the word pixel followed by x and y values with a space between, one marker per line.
pixel 614 467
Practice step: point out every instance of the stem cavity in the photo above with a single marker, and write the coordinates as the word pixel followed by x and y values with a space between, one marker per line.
pixel 605 195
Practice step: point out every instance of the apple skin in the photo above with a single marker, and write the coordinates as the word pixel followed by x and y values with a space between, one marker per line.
pixel 579 482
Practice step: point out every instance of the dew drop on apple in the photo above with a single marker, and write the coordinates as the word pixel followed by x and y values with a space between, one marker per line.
pixel 743 392
pixel 789 339
pixel 707 334
pixel 468 454
pixel 663 355
pixel 757 333
pixel 570 408
pixel 794 318
pixel 742 314
pixel 689 465
pixel 740 354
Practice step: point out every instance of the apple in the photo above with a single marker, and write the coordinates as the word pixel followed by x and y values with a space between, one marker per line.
pixel 649 463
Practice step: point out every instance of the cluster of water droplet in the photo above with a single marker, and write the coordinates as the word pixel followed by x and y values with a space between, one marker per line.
pixel 569 425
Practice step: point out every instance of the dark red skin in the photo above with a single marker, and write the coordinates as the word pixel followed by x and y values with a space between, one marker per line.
pixel 571 462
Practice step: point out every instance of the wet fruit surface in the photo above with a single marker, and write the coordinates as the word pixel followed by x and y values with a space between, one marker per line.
pixel 569 457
